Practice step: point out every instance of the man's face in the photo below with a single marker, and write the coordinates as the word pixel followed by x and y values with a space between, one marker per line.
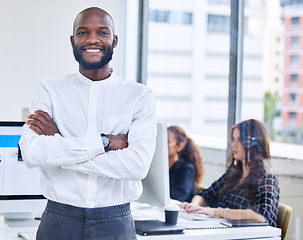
pixel 93 40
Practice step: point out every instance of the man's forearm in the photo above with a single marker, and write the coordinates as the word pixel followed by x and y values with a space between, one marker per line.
pixel 117 141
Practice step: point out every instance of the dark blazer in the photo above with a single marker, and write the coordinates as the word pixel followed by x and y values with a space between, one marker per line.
pixel 182 181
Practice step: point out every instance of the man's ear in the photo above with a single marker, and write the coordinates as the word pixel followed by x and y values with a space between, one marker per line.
pixel 115 41
pixel 71 39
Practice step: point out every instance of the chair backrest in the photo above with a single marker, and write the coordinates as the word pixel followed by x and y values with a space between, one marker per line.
pixel 283 219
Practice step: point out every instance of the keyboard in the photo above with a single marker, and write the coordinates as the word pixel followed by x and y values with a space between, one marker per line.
pixel 27 235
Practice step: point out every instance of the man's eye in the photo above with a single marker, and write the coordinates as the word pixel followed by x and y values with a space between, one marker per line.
pixel 104 33
pixel 81 33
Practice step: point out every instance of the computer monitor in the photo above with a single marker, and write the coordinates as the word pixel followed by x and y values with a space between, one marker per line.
pixel 20 191
pixel 156 183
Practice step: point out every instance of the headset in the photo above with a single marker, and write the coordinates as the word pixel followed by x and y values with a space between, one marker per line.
pixel 248 141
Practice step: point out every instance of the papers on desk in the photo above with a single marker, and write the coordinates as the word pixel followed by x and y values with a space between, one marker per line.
pixel 212 224
pixel 198 221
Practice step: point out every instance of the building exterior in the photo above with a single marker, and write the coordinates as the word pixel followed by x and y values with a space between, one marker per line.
pixel 292 106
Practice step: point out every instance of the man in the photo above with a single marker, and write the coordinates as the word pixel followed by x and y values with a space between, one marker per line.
pixel 87 178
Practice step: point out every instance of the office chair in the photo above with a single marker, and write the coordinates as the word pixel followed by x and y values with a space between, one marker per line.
pixel 283 219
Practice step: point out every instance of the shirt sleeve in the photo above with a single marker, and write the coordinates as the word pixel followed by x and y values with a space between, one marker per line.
pixel 267 198
pixel 55 151
pixel 210 195
pixel 133 162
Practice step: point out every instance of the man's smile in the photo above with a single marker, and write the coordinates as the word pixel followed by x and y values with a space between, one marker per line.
pixel 92 50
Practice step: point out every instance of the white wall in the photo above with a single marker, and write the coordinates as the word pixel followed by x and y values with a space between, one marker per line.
pixel 35 45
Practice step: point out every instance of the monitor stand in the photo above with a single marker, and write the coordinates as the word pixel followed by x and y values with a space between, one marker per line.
pixel 19 220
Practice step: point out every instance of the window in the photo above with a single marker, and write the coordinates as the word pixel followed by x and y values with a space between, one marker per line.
pixel 292 117
pixel 170 17
pixel 185 79
pixel 189 72
pixel 293 98
pixel 198 66
pixel 294 79
pixel 295 41
pixel 294 60
pixel 295 22
pixel 217 23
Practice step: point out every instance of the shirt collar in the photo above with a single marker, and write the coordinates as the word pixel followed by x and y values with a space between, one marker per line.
pixel 104 81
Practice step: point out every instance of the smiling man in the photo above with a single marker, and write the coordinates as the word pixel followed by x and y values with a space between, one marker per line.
pixel 88 50
pixel 92 135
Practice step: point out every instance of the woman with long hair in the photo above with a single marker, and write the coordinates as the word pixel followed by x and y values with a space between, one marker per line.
pixel 249 188
pixel 185 165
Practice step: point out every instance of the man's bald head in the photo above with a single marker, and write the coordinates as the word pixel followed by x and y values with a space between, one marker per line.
pixel 92 10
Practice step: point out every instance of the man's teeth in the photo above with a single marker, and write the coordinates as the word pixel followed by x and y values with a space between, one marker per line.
pixel 92 50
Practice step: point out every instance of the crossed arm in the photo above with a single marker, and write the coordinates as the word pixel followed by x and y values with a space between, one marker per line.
pixel 42 124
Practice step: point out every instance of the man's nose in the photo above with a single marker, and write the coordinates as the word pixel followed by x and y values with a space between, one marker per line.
pixel 93 38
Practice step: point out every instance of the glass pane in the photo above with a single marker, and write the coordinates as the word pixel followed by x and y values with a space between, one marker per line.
pixel 295 41
pixel 272 64
pixel 272 81
pixel 188 68
pixel 295 22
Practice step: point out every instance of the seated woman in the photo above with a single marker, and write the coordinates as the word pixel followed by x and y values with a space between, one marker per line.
pixel 185 165
pixel 249 188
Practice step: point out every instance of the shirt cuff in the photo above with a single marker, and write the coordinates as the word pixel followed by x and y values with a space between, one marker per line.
pixel 94 145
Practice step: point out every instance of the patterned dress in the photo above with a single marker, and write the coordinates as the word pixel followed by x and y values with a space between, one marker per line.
pixel 265 202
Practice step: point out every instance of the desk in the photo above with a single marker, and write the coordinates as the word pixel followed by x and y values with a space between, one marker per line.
pixel 267 232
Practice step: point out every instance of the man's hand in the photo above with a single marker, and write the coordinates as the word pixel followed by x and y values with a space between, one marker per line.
pixel 117 141
pixel 42 124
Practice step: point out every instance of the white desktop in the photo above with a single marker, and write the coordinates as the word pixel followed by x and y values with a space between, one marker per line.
pixel 20 192
pixel 156 183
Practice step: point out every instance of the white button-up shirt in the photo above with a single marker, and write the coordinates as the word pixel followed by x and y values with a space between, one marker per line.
pixel 74 168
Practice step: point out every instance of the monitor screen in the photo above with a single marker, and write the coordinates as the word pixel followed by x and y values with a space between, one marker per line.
pixel 20 192
pixel 156 183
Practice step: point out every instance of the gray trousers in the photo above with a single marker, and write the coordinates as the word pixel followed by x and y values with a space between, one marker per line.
pixel 65 222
